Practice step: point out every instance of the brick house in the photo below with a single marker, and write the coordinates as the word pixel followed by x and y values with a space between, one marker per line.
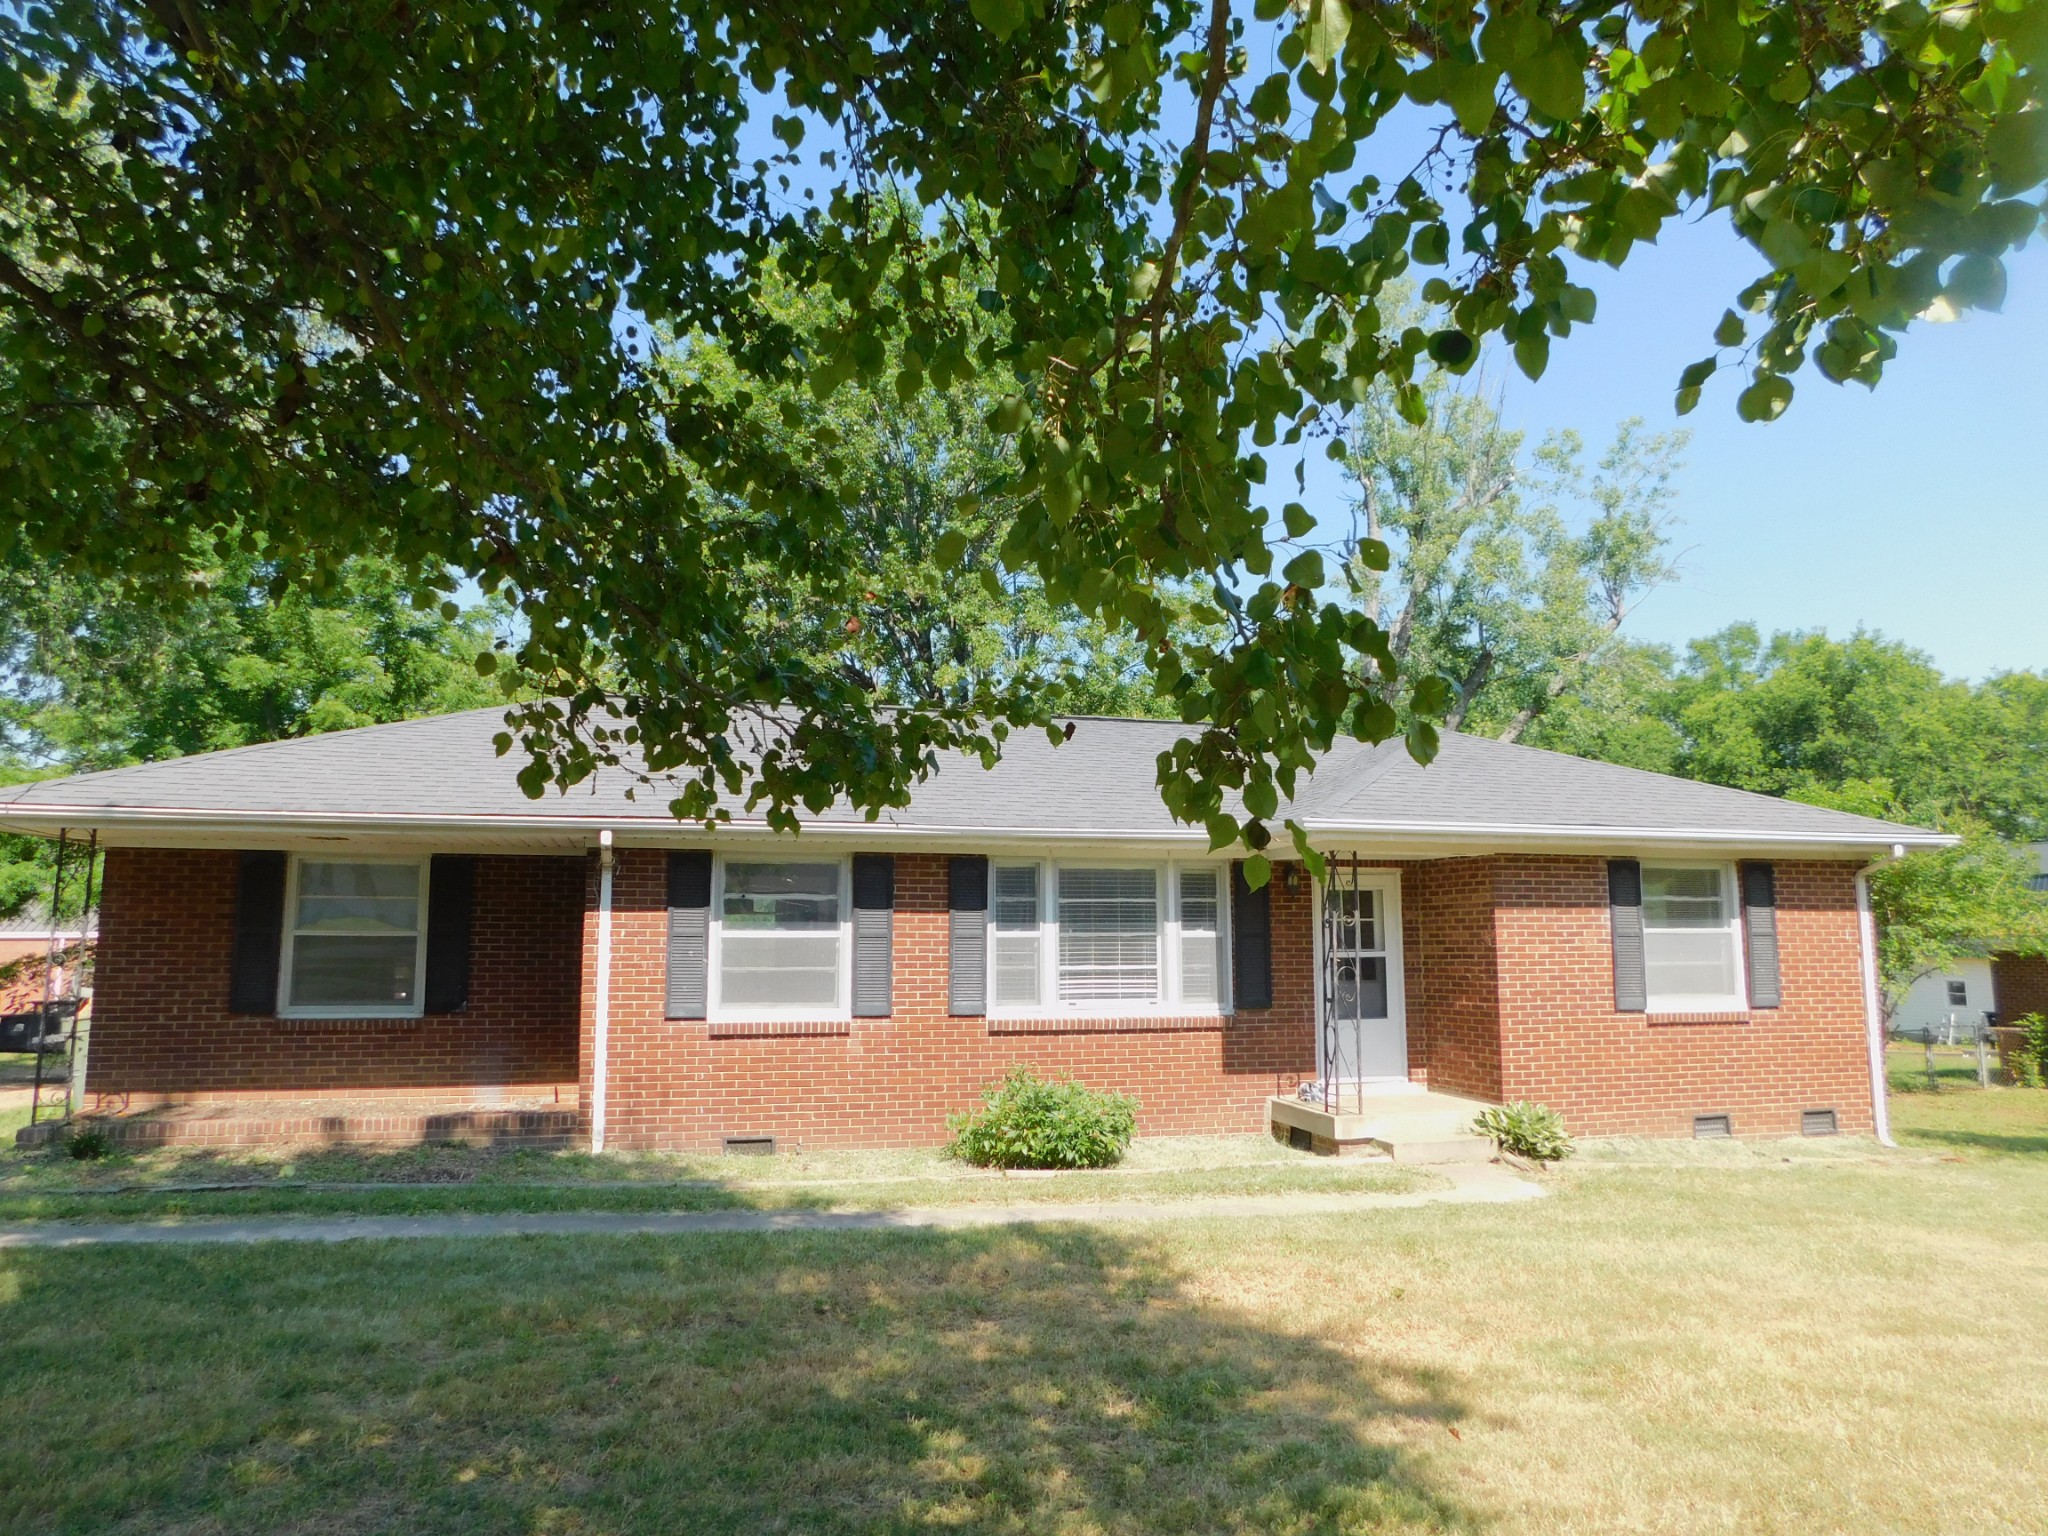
pixel 375 932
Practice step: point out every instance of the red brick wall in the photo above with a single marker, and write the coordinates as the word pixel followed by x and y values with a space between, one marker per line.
pixel 161 1026
pixel 2019 985
pixel 1453 989
pixel 892 1082
pixel 1613 1073
pixel 1508 973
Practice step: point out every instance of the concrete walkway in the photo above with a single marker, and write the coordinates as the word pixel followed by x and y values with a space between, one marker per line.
pixel 1484 1184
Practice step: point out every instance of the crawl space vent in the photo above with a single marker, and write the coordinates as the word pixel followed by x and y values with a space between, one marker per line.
pixel 1298 1137
pixel 1711 1128
pixel 750 1146
pixel 1817 1122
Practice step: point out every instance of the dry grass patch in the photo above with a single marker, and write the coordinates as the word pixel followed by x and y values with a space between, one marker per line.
pixel 1741 1348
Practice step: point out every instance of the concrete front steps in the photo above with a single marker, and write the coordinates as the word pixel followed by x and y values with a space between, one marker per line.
pixel 1408 1127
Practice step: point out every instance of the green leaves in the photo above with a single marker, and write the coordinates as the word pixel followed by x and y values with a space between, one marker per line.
pixel 468 305
pixel 1453 349
pixel 1766 399
pixel 1002 17
pixel 1324 26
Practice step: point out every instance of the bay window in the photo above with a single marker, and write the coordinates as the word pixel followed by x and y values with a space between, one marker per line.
pixel 1692 942
pixel 1106 939
pixel 355 938
pixel 779 943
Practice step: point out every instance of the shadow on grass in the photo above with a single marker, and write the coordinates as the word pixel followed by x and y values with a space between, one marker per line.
pixel 46 1184
pixel 1018 1381
pixel 1982 1141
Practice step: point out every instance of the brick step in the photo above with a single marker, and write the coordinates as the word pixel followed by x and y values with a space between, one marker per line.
pixel 542 1128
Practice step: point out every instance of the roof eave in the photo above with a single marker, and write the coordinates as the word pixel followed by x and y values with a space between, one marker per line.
pixel 171 826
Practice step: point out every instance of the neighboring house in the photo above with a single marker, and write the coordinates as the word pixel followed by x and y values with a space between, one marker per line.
pixel 2020 982
pixel 379 915
pixel 26 940
pixel 1951 1002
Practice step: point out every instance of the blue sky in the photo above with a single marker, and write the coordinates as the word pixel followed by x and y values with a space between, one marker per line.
pixel 1915 509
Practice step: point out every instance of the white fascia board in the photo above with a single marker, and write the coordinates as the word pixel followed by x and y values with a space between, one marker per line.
pixel 167 826
pixel 1379 835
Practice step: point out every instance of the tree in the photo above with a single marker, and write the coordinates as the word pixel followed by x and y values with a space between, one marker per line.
pixel 1937 906
pixel 339 277
pixel 90 679
pixel 1803 715
pixel 913 598
pixel 1488 584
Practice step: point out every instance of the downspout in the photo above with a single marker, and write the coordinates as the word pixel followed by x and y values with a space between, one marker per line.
pixel 1873 1013
pixel 601 1041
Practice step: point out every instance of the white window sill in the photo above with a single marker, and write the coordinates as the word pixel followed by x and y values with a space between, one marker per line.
pixel 1712 1008
pixel 383 1015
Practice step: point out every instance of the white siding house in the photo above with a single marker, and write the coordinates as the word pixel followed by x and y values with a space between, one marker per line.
pixel 1960 994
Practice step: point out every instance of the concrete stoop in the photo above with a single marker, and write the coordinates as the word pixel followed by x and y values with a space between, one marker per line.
pixel 1408 1128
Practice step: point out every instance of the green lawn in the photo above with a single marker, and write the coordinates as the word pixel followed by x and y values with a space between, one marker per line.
pixel 1738 1344
pixel 47 1184
pixel 1957 1115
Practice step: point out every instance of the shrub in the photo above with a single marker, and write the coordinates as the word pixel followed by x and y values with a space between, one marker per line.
pixel 1027 1122
pixel 89 1144
pixel 1534 1131
pixel 2029 1060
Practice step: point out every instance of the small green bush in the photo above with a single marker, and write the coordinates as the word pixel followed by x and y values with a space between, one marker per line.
pixel 1027 1122
pixel 1534 1131
pixel 88 1145
pixel 2029 1062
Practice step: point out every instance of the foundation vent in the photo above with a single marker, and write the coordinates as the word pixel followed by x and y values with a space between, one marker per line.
pixel 1817 1122
pixel 1712 1128
pixel 750 1146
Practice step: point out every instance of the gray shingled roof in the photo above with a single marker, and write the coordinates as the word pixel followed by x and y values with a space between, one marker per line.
pixel 445 770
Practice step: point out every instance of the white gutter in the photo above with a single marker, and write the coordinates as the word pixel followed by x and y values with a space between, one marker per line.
pixel 600 1051
pixel 1873 1012
pixel 663 830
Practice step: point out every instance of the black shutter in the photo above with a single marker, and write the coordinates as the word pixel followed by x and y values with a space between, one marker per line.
pixel 1760 933
pixel 1251 942
pixel 259 933
pixel 451 905
pixel 689 933
pixel 874 925
pixel 1625 906
pixel 967 949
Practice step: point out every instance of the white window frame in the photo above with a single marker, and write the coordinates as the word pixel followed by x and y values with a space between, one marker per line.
pixel 1169 1003
pixel 1731 894
pixel 715 1009
pixel 286 1008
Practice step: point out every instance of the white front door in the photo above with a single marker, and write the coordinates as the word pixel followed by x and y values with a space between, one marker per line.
pixel 1364 1034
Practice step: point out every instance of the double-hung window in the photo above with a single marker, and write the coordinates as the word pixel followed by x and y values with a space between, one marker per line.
pixel 355 938
pixel 1692 939
pixel 780 944
pixel 1106 939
